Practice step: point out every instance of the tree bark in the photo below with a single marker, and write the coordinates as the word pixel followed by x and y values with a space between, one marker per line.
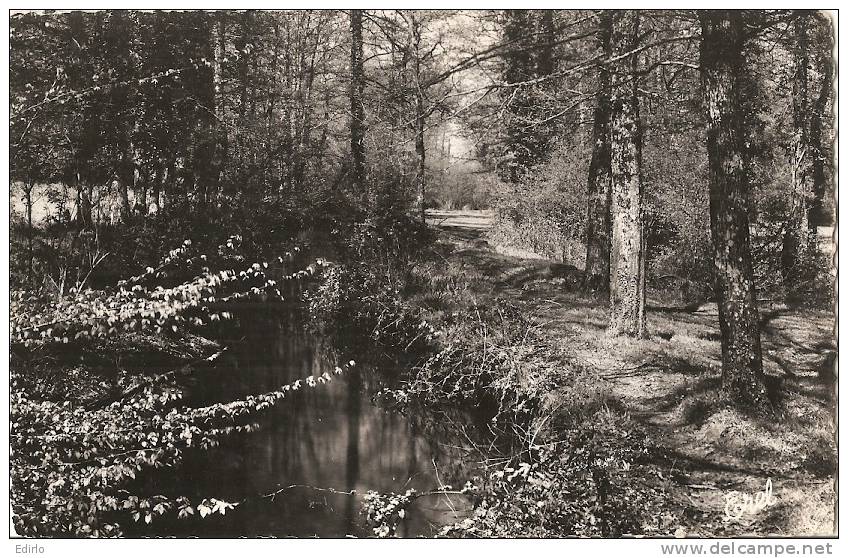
pixel 142 206
pixel 219 45
pixel 547 38
pixel 244 61
pixel 519 30
pixel 627 257
pixel 169 185
pixel 309 52
pixel 421 167
pixel 796 231
pixel 120 24
pixel 127 172
pixel 84 209
pixel 357 103
pixel 30 280
pixel 821 112
pixel 156 188
pixel 599 193
pixel 728 110
pixel 420 118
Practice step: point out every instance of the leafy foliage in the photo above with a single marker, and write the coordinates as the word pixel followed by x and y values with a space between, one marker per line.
pixel 74 462
pixel 583 485
pixel 546 211
pixel 72 466
pixel 135 307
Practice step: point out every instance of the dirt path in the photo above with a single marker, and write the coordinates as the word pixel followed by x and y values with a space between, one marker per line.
pixel 668 386
pixel 470 223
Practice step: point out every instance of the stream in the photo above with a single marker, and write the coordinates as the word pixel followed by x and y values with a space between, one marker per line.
pixel 321 449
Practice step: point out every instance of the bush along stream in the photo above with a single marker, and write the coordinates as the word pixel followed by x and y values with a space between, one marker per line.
pixel 564 467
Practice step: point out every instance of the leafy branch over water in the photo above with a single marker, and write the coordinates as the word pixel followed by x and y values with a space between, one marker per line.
pixel 74 464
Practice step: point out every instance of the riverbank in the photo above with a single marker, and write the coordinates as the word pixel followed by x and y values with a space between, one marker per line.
pixel 663 446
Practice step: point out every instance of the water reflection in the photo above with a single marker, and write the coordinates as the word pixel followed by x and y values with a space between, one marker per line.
pixel 321 448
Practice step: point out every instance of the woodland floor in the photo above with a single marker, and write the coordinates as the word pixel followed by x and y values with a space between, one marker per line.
pixel 668 385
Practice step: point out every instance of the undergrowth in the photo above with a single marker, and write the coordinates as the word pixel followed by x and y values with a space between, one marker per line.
pixel 571 470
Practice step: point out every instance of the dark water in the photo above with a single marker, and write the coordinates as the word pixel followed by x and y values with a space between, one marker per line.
pixel 326 446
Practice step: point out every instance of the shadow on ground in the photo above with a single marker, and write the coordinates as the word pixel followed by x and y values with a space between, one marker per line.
pixel 669 385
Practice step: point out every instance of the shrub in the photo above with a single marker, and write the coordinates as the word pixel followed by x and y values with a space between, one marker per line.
pixel 360 304
pixel 586 484
pixel 546 212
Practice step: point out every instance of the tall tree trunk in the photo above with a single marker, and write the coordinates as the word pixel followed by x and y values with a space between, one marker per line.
pixel 723 71
pixel 272 96
pixel 547 38
pixel 599 193
pixel 156 188
pixel 821 112
pixel 321 148
pixel 307 81
pixel 78 203
pixel 30 250
pixel 169 185
pixel 796 231
pixel 84 195
pixel 120 24
pixel 219 45
pixel 244 61
pixel 126 175
pixel 142 206
pixel 357 103
pixel 420 119
pixel 123 195
pixel 541 107
pixel 519 31
pixel 421 166
pixel 242 32
pixel 627 258
pixel 286 129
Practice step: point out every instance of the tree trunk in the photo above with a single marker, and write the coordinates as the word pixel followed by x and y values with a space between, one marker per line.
pixel 84 194
pixel 723 71
pixel 307 82
pixel 169 185
pixel 219 44
pixel 821 113
pixel 244 61
pixel 272 96
pixel 357 103
pixel 120 23
pixel 420 119
pixel 127 173
pixel 30 250
pixel 547 38
pixel 421 167
pixel 520 32
pixel 627 258
pixel 142 185
pixel 597 269
pixel 156 189
pixel 796 231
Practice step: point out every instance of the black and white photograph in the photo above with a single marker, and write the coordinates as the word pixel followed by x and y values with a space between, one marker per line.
pixel 411 272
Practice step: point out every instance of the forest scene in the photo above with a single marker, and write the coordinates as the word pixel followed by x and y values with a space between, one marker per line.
pixel 422 273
